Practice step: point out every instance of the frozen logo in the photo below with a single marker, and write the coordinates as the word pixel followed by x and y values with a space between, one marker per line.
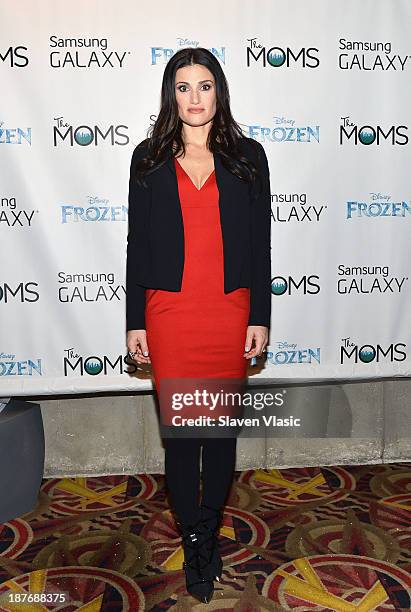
pixel 96 210
pixel 10 366
pixel 379 206
pixel 288 353
pixel 14 135
pixel 161 55
pixel 282 129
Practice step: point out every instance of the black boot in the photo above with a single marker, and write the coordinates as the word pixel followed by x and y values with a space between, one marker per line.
pixel 211 519
pixel 199 582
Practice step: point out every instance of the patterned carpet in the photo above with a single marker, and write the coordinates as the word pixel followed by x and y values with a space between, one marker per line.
pixel 299 539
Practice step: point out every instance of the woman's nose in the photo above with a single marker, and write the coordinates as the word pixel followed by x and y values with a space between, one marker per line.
pixel 195 97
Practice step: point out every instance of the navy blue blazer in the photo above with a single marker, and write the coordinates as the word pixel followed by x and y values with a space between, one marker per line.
pixel 155 240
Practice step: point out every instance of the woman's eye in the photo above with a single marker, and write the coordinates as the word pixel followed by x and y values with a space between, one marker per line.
pixel 183 88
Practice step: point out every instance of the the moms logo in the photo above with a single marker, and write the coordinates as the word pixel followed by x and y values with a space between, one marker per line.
pixel 306 285
pixel 15 57
pixel 85 135
pixel 20 292
pixel 372 134
pixel 367 353
pixel 276 56
pixel 93 365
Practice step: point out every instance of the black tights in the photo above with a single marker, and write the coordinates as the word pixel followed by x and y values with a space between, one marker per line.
pixel 182 471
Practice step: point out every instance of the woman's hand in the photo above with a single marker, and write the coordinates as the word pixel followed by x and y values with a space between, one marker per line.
pixel 259 334
pixel 137 343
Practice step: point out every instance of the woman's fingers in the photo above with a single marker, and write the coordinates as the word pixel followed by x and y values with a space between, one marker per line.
pixel 259 336
pixel 255 351
pixel 137 346
pixel 140 357
pixel 248 340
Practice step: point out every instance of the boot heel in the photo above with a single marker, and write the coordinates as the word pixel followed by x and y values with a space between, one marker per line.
pixel 211 519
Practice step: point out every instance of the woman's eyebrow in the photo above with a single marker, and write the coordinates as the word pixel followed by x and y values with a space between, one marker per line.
pixel 187 83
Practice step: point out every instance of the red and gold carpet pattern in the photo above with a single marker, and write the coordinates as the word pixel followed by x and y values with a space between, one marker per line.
pixel 295 539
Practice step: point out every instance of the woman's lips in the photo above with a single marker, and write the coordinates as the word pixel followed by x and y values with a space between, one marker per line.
pixel 195 110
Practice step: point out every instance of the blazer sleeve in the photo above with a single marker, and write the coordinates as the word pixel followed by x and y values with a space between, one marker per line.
pixel 135 294
pixel 260 288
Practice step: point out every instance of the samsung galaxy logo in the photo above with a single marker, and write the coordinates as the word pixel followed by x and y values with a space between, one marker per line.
pixel 85 53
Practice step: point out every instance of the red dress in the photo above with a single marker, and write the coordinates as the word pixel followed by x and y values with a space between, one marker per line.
pixel 199 331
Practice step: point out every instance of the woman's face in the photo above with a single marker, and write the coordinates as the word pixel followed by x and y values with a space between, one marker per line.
pixel 195 94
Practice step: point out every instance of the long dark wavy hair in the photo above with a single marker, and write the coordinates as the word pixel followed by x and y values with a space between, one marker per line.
pixel 224 134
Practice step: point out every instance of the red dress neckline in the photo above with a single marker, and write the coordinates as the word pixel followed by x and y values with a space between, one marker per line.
pixel 189 178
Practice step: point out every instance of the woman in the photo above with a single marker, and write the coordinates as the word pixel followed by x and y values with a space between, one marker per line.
pixel 198 278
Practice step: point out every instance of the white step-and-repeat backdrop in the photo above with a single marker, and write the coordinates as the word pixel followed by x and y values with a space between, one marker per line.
pixel 324 86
